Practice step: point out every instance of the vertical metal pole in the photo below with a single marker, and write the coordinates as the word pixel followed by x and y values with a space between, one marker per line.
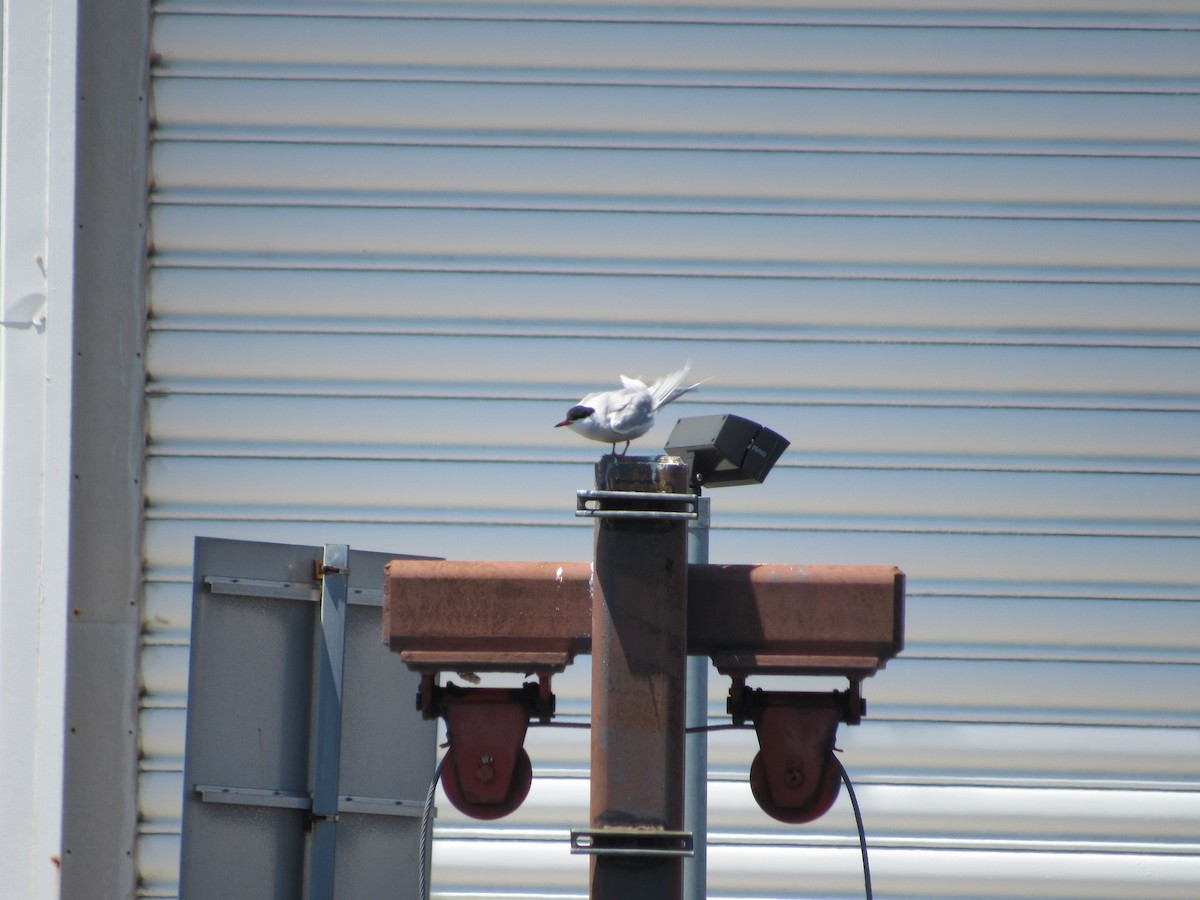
pixel 335 571
pixel 695 868
pixel 639 661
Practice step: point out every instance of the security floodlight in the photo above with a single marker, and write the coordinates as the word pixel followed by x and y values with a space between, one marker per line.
pixel 722 451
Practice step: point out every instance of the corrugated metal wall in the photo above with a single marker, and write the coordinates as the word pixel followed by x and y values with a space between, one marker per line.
pixel 949 249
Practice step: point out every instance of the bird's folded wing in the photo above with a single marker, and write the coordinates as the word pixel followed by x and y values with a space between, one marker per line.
pixel 630 411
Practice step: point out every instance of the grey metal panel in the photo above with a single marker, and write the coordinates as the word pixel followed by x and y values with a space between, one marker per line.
pixel 107 199
pixel 938 184
pixel 1033 374
pixel 250 725
pixel 677 243
pixel 966 501
pixel 971 564
pixel 776 54
pixel 618 116
pixel 945 248
pixel 1015 310
pixel 845 436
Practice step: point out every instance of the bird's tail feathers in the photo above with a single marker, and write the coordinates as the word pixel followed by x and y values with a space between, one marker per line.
pixel 667 388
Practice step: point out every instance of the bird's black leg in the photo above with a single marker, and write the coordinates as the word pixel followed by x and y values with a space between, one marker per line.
pixel 626 450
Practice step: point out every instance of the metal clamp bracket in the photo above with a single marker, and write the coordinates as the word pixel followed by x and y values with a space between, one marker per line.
pixel 636 505
pixel 644 842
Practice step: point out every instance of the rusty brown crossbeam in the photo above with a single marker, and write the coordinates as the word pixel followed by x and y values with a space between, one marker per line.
pixel 537 616
pixel 488 616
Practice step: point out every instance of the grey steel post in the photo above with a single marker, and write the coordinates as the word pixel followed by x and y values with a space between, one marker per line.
pixel 695 868
pixel 639 663
pixel 335 570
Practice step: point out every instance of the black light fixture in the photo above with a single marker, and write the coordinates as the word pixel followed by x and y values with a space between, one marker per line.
pixel 725 450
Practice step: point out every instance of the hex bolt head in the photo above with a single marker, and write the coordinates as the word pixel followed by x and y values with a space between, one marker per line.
pixel 484 772
pixel 793 772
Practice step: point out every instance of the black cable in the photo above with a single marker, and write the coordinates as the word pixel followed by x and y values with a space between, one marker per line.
pixel 426 828
pixel 862 833
pixel 696 729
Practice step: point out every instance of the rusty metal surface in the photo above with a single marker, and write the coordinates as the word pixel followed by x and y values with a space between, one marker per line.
pixel 796 618
pixel 768 663
pixel 486 727
pixel 505 616
pixel 639 656
pixel 527 662
pixel 536 617
pixel 793 778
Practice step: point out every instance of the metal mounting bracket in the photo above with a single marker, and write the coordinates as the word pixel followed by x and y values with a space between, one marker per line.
pixel 489 773
pixel 241 796
pixel 636 505
pixel 794 777
pixel 637 842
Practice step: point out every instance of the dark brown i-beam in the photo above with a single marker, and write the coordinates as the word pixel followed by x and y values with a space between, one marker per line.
pixel 639 659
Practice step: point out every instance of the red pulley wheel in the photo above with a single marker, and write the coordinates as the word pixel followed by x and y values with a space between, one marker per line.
pixel 820 801
pixel 518 790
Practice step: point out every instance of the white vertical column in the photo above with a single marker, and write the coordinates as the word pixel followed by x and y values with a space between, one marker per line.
pixel 37 196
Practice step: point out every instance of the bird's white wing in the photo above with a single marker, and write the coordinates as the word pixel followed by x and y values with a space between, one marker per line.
pixel 629 410
pixel 633 384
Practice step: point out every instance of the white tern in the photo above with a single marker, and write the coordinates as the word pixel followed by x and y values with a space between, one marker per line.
pixel 626 413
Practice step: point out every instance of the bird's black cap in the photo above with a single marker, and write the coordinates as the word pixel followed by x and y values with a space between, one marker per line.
pixel 574 414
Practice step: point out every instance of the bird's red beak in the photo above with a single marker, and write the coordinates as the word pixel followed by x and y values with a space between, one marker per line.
pixel 562 423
